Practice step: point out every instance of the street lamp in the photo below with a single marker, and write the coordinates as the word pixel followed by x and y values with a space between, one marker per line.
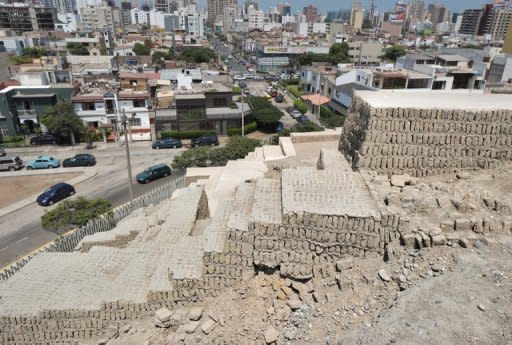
pixel 243 120
pixel 124 121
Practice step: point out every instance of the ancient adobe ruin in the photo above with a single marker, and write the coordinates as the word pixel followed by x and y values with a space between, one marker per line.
pixel 245 218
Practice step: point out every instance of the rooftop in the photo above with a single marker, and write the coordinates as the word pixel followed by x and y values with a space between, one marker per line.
pixel 436 100
pixel 452 57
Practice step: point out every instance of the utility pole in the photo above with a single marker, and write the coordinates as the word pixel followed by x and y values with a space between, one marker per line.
pixel 243 120
pixel 130 183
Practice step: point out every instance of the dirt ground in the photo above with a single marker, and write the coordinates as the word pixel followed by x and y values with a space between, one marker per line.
pixel 14 189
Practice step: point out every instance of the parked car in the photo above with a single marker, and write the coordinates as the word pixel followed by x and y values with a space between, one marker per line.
pixel 2 152
pixel 206 140
pixel 303 119
pixel 259 78
pixel 153 173
pixel 279 127
pixel 238 77
pixel 43 139
pixel 55 193
pixel 279 99
pixel 167 143
pixel 80 160
pixel 295 114
pixel 242 84
pixel 247 91
pixel 43 162
pixel 11 163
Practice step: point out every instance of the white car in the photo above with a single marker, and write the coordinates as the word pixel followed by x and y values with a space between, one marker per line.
pixel 239 77
pixel 295 114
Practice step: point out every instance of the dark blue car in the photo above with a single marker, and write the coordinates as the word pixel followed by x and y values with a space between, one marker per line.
pixel 55 193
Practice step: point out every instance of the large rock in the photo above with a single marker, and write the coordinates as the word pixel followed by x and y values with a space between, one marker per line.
pixel 207 326
pixel 195 313
pixel 384 275
pixel 163 315
pixel 398 180
pixel 271 335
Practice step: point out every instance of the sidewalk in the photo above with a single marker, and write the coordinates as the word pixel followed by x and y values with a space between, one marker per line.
pixel 87 174
pixel 51 149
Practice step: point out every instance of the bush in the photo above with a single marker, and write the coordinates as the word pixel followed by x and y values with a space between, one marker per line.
pixel 329 119
pixel 308 126
pixel 300 105
pixel 294 90
pixel 11 139
pixel 74 213
pixel 265 114
pixel 237 90
pixel 188 134
pixel 248 128
pixel 237 147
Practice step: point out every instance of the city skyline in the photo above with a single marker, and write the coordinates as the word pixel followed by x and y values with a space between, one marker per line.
pixel 382 5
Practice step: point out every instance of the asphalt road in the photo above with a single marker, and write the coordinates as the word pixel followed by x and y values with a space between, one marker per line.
pixel 21 231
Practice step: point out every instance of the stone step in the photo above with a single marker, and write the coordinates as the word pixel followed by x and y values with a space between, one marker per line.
pixel 272 152
pixel 242 207
pixel 287 146
pixel 259 154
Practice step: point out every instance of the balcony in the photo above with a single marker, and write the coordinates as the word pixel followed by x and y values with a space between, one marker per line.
pixel 26 114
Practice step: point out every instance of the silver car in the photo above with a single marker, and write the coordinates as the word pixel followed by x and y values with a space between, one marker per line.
pixel 11 163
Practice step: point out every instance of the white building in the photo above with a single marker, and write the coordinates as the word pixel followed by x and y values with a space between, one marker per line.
pixel 256 18
pixel 67 22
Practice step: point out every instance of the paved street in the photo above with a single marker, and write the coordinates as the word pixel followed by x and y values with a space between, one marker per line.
pixel 20 231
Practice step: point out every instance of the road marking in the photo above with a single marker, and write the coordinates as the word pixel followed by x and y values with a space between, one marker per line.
pixel 23 239
pixel 1 250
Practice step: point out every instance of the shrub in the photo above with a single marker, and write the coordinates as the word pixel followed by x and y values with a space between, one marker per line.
pixel 188 134
pixel 236 148
pixel 237 90
pixel 294 90
pixel 308 126
pixel 248 128
pixel 300 105
pixel 74 213
pixel 11 139
pixel 265 114
pixel 329 119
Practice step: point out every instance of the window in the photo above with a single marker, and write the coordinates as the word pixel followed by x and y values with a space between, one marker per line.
pixel 136 122
pixel 88 106
pixel 139 103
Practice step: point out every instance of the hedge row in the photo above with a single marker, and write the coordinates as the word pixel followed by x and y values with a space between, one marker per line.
pixel 294 90
pixel 188 134
pixel 236 148
pixel 248 128
pixel 330 119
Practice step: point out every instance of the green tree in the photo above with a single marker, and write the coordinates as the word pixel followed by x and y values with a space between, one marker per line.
pixel 393 52
pixel 62 120
pixel 265 114
pixel 197 55
pixel 76 48
pixel 141 49
pixel 74 213
pixel 338 53
pixel 34 52
pixel 300 105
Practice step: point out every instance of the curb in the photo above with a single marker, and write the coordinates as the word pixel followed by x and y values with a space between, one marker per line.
pixel 87 174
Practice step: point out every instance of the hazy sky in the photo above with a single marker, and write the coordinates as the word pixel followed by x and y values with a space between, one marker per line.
pixel 382 5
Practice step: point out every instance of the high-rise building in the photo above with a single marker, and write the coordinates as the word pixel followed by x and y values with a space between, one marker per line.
pixel 284 9
pixel 92 18
pixel 21 17
pixel 438 14
pixel 356 16
pixel 500 23
pixel 311 13
pixel 216 9
pixel 256 18
pixel 63 6
pixel 471 19
pixel 417 10
pixel 507 45
pixel 126 7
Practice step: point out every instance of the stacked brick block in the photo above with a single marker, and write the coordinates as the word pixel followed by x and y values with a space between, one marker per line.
pixel 426 141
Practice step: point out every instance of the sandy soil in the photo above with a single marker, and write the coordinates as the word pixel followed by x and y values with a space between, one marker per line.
pixel 14 189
